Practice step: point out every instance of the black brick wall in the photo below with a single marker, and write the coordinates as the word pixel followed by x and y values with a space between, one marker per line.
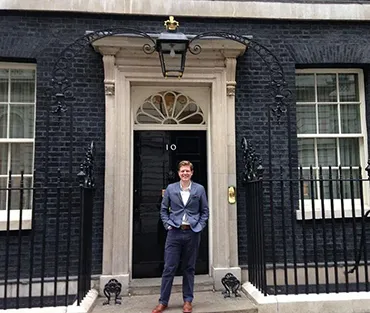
pixel 310 1
pixel 40 38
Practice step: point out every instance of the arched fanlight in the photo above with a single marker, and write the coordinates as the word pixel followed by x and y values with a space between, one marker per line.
pixel 172 46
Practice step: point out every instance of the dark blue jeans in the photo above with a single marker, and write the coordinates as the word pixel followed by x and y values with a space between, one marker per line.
pixel 182 244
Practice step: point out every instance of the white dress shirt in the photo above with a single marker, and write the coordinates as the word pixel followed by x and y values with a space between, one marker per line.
pixel 185 194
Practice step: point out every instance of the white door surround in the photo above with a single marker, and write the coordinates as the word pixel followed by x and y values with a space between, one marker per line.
pixel 126 65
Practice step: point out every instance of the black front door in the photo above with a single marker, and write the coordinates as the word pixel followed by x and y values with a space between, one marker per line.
pixel 156 156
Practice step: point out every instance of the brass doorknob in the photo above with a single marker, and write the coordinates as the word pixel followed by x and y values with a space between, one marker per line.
pixel 232 194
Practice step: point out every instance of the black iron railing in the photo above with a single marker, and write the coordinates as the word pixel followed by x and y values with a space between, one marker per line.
pixel 307 234
pixel 45 239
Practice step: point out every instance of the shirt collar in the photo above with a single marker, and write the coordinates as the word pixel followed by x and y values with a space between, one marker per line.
pixel 182 189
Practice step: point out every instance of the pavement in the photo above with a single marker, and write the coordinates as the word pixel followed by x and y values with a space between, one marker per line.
pixel 204 302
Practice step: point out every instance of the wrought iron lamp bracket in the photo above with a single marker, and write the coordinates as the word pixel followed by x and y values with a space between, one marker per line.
pixel 86 174
pixel 61 82
pixel 253 168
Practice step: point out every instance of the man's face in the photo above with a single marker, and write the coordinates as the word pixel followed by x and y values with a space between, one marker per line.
pixel 185 173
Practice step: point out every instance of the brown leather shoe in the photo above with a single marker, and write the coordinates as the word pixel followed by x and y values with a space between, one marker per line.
pixel 188 308
pixel 159 308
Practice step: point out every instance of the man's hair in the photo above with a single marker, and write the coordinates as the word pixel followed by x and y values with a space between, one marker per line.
pixel 185 163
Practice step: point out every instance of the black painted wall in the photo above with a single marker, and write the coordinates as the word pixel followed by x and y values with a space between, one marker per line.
pixel 40 38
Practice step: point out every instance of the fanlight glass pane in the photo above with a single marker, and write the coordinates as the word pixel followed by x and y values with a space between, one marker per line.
pixel 22 87
pixel 169 107
pixel 21 121
pixel 4 80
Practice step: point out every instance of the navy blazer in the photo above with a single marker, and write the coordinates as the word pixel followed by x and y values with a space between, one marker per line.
pixel 173 209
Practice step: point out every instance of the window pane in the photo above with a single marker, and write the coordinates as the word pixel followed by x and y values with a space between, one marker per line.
pixel 305 87
pixel 327 152
pixel 348 87
pixel 328 119
pixel 349 152
pixel 309 185
pixel 326 88
pixel 3 120
pixel 350 118
pixel 306 119
pixel 18 195
pixel 21 121
pixel 3 158
pixel 3 183
pixel 21 158
pixel 350 188
pixel 306 152
pixel 4 80
pixel 22 87
pixel 330 188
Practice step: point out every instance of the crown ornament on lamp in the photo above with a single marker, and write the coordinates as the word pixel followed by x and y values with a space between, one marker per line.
pixel 172 46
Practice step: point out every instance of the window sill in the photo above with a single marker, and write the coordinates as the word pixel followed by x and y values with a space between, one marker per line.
pixel 14 220
pixel 337 207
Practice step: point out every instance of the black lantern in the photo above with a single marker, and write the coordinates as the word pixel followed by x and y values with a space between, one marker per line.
pixel 172 47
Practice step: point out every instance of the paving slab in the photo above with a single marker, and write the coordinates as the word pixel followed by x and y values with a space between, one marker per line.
pixel 204 302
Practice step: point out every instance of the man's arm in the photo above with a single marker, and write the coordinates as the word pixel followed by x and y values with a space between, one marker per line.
pixel 204 210
pixel 164 212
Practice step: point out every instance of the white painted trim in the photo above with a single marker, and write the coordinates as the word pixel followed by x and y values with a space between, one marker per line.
pixel 348 211
pixel 201 8
pixel 86 306
pixel 309 303
pixel 124 71
pixel 347 207
pixel 14 220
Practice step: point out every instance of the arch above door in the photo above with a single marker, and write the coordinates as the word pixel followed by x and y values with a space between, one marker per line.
pixel 126 66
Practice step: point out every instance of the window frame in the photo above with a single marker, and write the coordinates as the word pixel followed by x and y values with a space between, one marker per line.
pixel 14 223
pixel 363 150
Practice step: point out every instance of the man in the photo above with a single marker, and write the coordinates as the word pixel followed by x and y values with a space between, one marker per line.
pixel 184 213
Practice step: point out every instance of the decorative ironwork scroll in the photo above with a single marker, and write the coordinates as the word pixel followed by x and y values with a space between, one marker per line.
pixel 61 74
pixel 86 174
pixel 278 84
pixel 231 284
pixel 253 168
pixel 361 248
pixel 113 288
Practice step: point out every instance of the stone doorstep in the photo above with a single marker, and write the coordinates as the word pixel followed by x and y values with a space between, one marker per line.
pixel 204 302
pixel 152 286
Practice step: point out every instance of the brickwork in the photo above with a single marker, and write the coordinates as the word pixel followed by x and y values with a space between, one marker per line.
pixel 310 1
pixel 40 38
